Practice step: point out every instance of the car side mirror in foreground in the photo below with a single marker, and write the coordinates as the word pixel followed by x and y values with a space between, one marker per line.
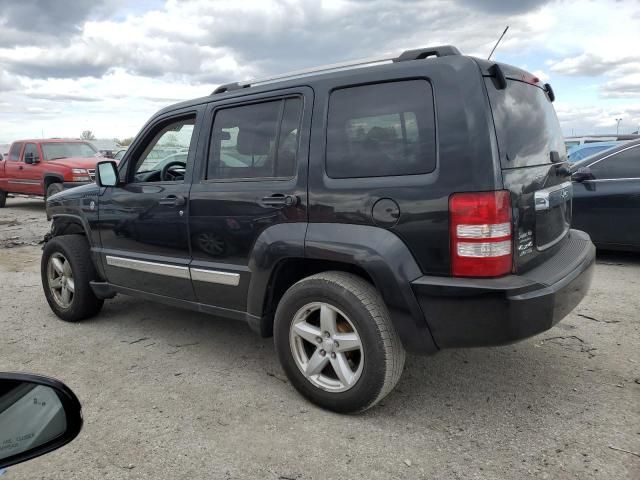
pixel 107 174
pixel 37 415
pixel 582 174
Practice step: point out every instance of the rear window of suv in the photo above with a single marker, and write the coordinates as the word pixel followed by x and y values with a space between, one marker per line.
pixel 383 129
pixel 526 125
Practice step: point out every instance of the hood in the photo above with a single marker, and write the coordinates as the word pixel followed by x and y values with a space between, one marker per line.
pixel 78 162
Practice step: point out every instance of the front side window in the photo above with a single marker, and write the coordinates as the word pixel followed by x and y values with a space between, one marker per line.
pixel 625 164
pixel 31 151
pixel 255 141
pixel 164 158
pixel 57 150
pixel 381 130
pixel 14 153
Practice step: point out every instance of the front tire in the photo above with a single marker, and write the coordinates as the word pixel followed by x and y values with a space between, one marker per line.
pixel 336 342
pixel 66 270
pixel 53 189
pixel 3 198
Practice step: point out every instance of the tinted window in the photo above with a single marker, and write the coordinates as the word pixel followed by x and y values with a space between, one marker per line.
pixel 625 164
pixel 14 153
pixel 381 130
pixel 255 141
pixel 32 149
pixel 526 125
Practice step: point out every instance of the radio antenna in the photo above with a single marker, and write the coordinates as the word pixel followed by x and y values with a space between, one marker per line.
pixel 497 43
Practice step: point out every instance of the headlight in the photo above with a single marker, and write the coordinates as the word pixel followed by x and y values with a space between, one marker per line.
pixel 80 175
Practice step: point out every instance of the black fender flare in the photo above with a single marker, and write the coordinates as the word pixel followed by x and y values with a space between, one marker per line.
pixel 56 176
pixel 274 244
pixel 66 218
pixel 379 252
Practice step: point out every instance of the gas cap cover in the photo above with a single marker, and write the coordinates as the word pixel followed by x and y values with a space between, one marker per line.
pixel 385 213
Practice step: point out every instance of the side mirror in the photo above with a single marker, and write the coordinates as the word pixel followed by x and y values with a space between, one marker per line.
pixel 582 174
pixel 106 174
pixel 30 158
pixel 37 415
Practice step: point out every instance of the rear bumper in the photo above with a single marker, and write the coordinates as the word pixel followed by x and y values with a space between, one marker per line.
pixel 483 312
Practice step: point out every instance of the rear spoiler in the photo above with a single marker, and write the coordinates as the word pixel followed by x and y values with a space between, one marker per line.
pixel 501 72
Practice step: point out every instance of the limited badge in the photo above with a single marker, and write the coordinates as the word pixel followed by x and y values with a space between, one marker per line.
pixel 525 242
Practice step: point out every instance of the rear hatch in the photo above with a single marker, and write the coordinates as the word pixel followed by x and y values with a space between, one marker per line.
pixel 533 161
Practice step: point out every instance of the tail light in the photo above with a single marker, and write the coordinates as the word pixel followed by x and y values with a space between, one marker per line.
pixel 481 238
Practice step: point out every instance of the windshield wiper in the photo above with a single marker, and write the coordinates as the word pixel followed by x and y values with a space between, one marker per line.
pixel 56 158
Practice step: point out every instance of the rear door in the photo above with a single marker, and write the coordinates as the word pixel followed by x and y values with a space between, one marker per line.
pixel 534 166
pixel 255 178
pixel 607 206
pixel 14 169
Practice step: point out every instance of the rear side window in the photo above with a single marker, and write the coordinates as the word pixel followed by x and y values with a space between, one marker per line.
pixel 256 141
pixel 379 130
pixel 526 125
pixel 625 164
pixel 14 153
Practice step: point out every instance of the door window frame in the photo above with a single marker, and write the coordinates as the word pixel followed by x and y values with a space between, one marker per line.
pixel 24 151
pixel 302 153
pixel 148 133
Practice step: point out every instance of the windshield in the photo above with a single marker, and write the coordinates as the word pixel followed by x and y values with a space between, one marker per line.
pixel 53 151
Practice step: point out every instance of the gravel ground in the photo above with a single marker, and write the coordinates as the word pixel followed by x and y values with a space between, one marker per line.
pixel 171 394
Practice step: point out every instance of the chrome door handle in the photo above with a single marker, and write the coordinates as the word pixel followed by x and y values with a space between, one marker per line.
pixel 280 200
pixel 173 200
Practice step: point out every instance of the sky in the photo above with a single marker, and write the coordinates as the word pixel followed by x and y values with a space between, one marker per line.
pixel 108 65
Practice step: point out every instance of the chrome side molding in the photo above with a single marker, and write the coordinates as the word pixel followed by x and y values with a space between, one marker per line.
pixel 177 271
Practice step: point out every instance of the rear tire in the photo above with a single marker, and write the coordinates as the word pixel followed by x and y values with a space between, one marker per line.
pixel 3 198
pixel 364 339
pixel 66 270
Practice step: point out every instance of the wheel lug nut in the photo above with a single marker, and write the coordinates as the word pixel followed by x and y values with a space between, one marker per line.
pixel 327 335
pixel 336 345
pixel 318 339
pixel 322 353
pixel 333 355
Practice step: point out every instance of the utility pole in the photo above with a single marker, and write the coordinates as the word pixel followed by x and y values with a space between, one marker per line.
pixel 618 120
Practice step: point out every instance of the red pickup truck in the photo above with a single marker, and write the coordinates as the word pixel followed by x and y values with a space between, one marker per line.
pixel 44 167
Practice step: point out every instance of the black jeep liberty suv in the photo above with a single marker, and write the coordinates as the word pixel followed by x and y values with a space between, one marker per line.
pixel 354 212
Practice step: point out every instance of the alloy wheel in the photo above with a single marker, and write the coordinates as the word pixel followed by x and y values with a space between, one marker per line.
pixel 60 279
pixel 326 347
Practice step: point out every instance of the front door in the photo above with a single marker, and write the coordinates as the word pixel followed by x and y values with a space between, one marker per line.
pixel 32 170
pixel 255 178
pixel 143 223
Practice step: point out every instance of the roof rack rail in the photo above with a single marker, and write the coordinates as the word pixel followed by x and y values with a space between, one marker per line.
pixel 421 53
pixel 416 54
pixel 227 87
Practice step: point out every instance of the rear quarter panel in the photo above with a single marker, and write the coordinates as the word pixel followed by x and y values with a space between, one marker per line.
pixel 465 146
